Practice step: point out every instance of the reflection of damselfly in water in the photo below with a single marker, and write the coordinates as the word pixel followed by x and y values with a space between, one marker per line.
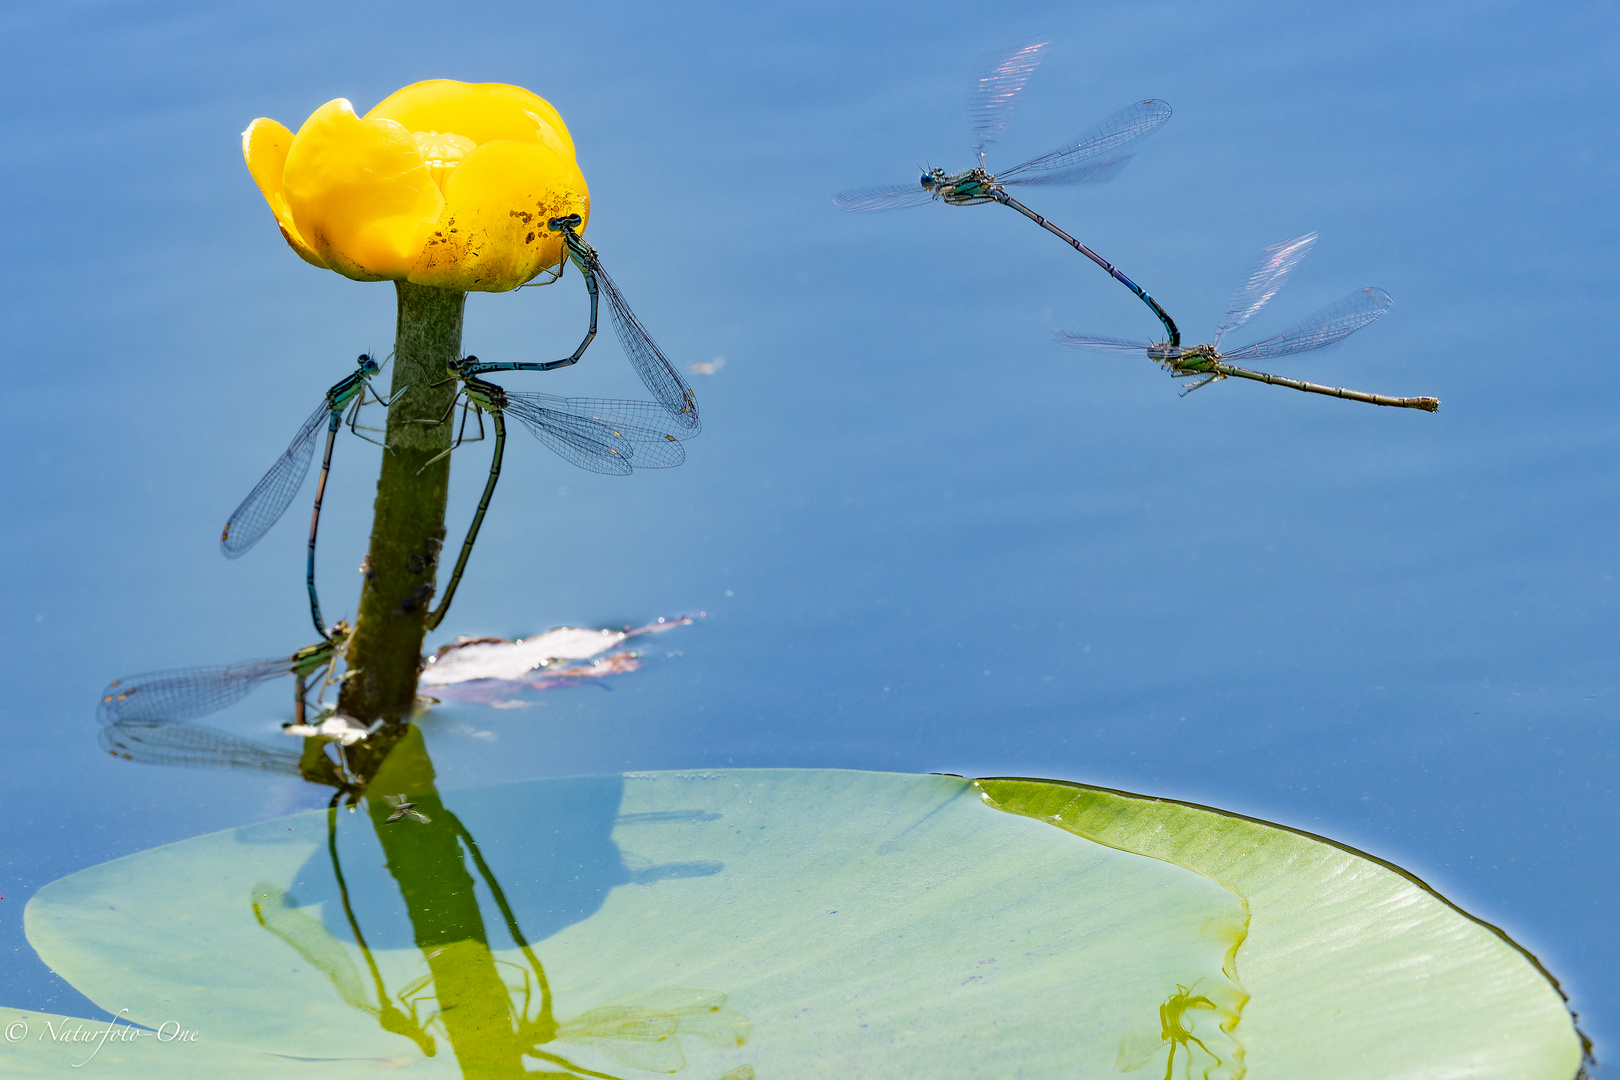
pixel 599 434
pixel 1207 363
pixel 271 496
pixel 646 357
pixel 642 1030
pixel 1096 156
pixel 318 948
pixel 158 697
pixel 193 746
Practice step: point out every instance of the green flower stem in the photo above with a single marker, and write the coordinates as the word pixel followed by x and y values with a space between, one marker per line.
pixel 407 529
pixel 427 861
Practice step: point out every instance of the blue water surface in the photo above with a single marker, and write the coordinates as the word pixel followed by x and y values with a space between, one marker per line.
pixel 922 535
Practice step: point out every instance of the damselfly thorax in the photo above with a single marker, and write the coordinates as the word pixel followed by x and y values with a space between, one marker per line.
pixel 963 189
pixel 482 393
pixel 1194 361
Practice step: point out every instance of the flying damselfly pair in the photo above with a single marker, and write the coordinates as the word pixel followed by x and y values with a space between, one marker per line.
pixel 1097 156
pixel 602 435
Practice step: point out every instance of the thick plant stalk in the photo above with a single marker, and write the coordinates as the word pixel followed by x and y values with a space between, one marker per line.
pixel 407 528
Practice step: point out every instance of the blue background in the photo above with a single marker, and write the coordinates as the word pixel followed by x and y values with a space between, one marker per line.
pixel 924 536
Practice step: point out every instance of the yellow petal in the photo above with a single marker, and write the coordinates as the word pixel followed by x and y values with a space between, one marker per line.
pixel 482 112
pixel 264 145
pixel 493 235
pixel 359 193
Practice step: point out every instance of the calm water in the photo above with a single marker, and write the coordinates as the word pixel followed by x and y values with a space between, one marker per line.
pixel 924 536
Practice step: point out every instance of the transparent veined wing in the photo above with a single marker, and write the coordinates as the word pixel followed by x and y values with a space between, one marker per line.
pixel 185 693
pixel 644 1030
pixel 270 497
pixel 891 197
pixel 1100 171
pixel 991 96
pixel 1338 320
pixel 193 746
pixel 655 370
pixel 1118 345
pixel 631 1034
pixel 1102 143
pixel 1264 281
pixel 602 434
pixel 654 436
pixel 581 440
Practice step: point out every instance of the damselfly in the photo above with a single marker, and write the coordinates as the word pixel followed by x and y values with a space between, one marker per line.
pixel 271 496
pixel 159 697
pixel 1096 156
pixel 599 434
pixel 1207 363
pixel 646 357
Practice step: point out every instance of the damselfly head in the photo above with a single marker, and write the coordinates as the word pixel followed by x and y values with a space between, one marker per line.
pixel 558 224
pixel 368 366
pixel 463 364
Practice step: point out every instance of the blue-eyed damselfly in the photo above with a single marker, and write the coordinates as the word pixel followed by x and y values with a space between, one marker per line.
pixel 1095 157
pixel 599 434
pixel 271 496
pixel 158 697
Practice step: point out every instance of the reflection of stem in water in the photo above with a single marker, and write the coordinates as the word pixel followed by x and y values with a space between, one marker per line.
pixel 488 1026
pixel 311 941
pixel 642 1030
pixel 390 1018
pixel 544 1024
pixel 489 1033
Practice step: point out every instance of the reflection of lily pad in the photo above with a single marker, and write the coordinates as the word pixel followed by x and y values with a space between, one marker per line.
pixel 858 924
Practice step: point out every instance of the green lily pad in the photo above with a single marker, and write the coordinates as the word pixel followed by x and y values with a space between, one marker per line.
pixel 1354 967
pixel 789 923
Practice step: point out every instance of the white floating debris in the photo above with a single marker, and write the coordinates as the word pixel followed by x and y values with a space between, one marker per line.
pixel 345 729
pixel 496 668
pixel 497 658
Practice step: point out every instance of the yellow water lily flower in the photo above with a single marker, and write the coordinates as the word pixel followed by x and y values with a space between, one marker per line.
pixel 444 183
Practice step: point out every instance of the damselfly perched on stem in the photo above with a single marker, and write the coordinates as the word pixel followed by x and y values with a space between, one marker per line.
pixel 599 434
pixel 157 697
pixel 1207 363
pixel 1095 157
pixel 645 356
pixel 272 495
